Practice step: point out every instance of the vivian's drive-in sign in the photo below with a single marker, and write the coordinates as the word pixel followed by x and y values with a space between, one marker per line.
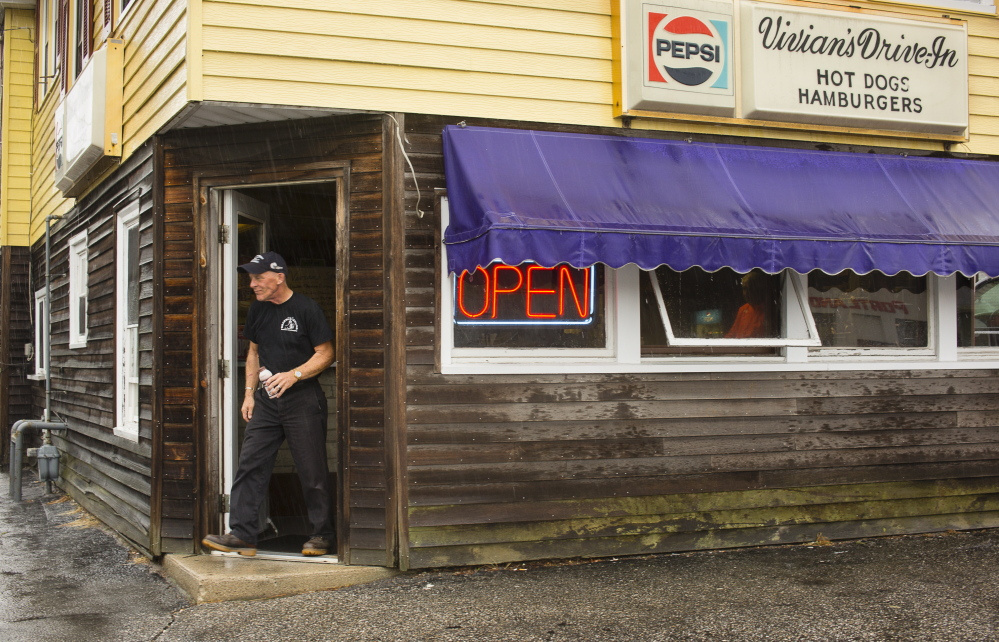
pixel 795 64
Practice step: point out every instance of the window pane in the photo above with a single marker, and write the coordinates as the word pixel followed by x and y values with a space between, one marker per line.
pixel 977 311
pixel 529 306
pixel 81 316
pixel 132 310
pixel 869 310
pixel 712 305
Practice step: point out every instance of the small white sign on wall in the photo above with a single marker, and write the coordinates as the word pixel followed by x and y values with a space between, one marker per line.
pixel 840 68
pixel 677 56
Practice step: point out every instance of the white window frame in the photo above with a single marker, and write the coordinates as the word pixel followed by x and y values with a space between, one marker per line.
pixel 796 320
pixel 48 12
pixel 78 290
pixel 41 348
pixel 623 352
pixel 126 334
pixel 934 338
pixel 124 6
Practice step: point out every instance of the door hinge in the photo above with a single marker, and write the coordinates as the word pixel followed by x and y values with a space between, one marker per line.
pixel 223 234
pixel 224 503
pixel 223 369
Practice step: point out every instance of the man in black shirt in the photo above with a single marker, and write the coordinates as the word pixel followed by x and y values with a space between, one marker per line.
pixel 290 345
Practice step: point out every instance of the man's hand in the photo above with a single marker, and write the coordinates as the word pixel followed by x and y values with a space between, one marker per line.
pixel 279 383
pixel 247 409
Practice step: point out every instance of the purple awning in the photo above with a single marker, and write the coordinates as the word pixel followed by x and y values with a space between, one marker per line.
pixel 518 195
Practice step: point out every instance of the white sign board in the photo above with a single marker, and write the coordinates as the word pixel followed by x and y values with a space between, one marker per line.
pixel 850 69
pixel 677 56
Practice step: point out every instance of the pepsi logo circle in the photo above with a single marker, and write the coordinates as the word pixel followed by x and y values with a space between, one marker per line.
pixel 688 51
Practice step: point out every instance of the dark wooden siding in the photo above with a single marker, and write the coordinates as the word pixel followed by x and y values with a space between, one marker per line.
pixel 514 467
pixel 17 301
pixel 287 151
pixel 107 474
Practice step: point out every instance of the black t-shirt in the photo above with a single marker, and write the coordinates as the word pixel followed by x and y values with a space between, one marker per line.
pixel 286 334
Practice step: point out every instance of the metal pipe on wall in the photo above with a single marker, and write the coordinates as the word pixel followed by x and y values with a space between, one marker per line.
pixel 16 448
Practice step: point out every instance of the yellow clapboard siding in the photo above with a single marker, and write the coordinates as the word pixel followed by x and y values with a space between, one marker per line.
pixel 299 71
pixel 19 183
pixel 986 27
pixel 984 125
pixel 157 30
pixel 984 85
pixel 45 198
pixel 983 145
pixel 16 98
pixel 984 105
pixel 18 141
pixel 169 100
pixel 139 90
pixel 589 6
pixel 982 66
pixel 985 47
pixel 410 54
pixel 155 74
pixel 514 16
pixel 464 105
pixel 20 90
pixel 444 34
pixel 400 99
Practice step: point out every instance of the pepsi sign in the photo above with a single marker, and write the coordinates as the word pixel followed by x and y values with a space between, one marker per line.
pixel 677 57
pixel 687 50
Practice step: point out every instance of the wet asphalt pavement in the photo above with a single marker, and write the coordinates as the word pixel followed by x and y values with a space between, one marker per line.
pixel 62 577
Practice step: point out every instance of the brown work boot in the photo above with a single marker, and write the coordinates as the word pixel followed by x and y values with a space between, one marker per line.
pixel 229 543
pixel 316 546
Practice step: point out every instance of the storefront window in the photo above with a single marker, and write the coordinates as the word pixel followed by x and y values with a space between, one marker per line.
pixel 529 306
pixel 977 311
pixel 871 310
pixel 704 307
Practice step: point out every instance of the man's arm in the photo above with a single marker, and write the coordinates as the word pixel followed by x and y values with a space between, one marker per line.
pixel 319 361
pixel 252 379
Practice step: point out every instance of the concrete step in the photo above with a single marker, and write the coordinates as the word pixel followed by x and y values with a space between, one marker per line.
pixel 221 578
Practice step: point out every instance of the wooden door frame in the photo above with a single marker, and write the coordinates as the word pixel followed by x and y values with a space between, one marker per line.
pixel 207 186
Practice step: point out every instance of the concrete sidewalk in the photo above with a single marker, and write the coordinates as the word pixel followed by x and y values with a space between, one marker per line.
pixel 62 577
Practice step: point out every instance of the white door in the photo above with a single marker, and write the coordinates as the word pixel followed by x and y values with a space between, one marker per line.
pixel 246 221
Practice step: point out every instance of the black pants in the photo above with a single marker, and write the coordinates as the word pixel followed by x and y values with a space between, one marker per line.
pixel 300 416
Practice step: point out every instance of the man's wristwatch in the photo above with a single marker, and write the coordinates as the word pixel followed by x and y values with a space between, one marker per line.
pixel 298 374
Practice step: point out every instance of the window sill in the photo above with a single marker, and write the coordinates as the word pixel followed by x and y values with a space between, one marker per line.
pixel 681 365
pixel 76 345
pixel 127 432
pixel 38 376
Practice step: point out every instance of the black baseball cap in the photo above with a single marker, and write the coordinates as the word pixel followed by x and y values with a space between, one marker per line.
pixel 266 262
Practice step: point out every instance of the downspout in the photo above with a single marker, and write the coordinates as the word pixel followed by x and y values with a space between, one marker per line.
pixel 48 317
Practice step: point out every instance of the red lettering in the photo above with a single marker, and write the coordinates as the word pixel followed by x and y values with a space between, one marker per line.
pixel 565 276
pixel 531 291
pixel 485 294
pixel 496 287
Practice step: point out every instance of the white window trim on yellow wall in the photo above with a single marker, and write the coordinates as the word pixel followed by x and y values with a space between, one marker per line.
pixel 623 353
pixel 78 300
pixel 124 6
pixel 48 10
pixel 126 334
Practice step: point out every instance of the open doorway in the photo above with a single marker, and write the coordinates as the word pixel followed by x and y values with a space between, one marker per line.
pixel 299 222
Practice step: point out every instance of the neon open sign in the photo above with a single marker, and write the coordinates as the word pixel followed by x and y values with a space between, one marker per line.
pixel 525 295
